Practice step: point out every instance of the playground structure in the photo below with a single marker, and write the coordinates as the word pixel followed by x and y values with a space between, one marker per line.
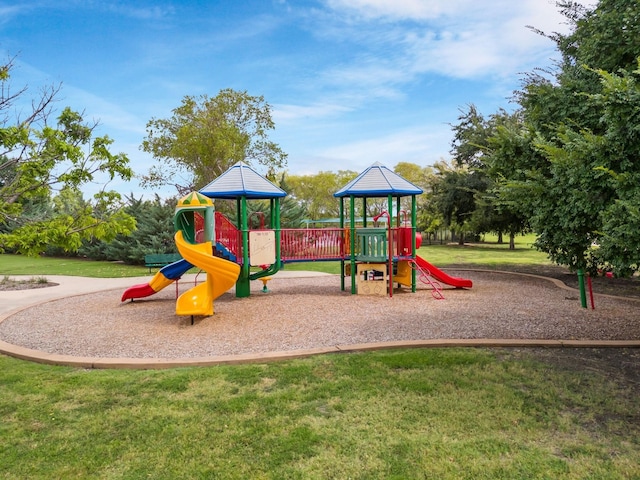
pixel 375 258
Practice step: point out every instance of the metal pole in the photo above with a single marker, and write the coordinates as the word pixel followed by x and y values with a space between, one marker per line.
pixel 342 247
pixel 583 295
pixel 414 221
pixel 243 286
pixel 352 221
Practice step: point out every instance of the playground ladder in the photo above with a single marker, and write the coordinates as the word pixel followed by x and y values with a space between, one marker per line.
pixel 425 277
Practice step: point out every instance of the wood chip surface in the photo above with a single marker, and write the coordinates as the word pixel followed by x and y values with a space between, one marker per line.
pixel 307 313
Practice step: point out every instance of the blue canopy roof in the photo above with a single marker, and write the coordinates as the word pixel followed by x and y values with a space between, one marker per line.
pixel 242 181
pixel 378 181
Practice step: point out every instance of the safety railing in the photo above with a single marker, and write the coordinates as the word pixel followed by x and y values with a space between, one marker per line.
pixel 228 235
pixel 371 245
pixel 311 244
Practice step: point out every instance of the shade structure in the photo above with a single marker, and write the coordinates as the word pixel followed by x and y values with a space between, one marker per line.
pixel 378 181
pixel 242 181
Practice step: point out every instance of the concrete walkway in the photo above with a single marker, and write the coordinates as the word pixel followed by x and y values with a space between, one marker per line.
pixel 67 286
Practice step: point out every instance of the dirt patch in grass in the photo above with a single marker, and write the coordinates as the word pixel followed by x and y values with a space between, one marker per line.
pixel 618 364
pixel 8 284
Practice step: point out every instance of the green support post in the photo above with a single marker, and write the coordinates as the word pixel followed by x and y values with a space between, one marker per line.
pixel 583 294
pixel 390 242
pixel 276 209
pixel 243 285
pixel 414 220
pixel 342 286
pixel 209 224
pixel 352 221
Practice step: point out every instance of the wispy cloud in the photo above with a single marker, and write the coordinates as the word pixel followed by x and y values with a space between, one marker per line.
pixel 400 9
pixel 152 12
pixel 416 144
pixel 111 116
pixel 389 44
pixel 283 113
pixel 8 13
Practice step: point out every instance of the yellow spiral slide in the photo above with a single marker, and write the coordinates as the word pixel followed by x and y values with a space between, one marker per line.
pixel 221 276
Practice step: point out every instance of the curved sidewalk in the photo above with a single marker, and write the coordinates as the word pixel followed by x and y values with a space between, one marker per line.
pixel 12 302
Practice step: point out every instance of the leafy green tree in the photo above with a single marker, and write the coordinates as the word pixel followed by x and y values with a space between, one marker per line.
pixel 154 233
pixel 481 145
pixel 606 37
pixel 454 194
pixel 509 152
pixel 315 192
pixel 620 238
pixel 292 213
pixel 205 136
pixel 38 159
pixel 581 188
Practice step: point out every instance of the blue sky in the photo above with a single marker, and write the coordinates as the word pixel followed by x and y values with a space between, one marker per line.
pixel 351 82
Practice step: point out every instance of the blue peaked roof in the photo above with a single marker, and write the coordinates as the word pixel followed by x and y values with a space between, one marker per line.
pixel 242 181
pixel 378 181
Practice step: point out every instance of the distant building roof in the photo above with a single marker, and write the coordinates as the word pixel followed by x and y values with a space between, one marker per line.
pixel 378 181
pixel 242 181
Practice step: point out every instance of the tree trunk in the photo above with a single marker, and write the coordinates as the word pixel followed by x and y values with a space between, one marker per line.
pixel 461 239
pixel 500 240
pixel 512 241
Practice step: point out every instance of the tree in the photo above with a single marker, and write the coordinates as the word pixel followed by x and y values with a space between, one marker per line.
pixel 292 212
pixel 509 152
pixel 154 233
pixel 454 194
pixel 620 239
pixel 315 192
pixel 484 146
pixel 41 164
pixel 583 185
pixel 606 38
pixel 428 219
pixel 205 136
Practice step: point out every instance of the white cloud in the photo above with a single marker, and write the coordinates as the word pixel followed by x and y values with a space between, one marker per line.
pixel 456 38
pixel 8 12
pixel 112 117
pixel 420 145
pixel 287 113
pixel 400 9
pixel 141 13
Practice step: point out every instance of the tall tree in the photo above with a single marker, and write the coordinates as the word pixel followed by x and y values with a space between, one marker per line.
pixel 479 145
pixel 205 136
pixel 582 186
pixel 154 233
pixel 38 158
pixel 315 191
pixel 454 194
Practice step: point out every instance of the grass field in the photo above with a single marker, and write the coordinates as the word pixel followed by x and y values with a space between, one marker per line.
pixel 445 414
pixel 21 265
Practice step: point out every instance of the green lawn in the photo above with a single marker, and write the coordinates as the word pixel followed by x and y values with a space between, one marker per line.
pixel 487 254
pixel 21 265
pixel 431 413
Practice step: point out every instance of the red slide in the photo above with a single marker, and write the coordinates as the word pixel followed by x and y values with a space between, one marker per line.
pixel 439 275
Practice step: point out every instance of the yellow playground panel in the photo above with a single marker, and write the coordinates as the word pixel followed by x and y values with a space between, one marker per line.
pixel 371 278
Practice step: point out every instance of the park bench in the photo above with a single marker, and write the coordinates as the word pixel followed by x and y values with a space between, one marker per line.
pixel 155 260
